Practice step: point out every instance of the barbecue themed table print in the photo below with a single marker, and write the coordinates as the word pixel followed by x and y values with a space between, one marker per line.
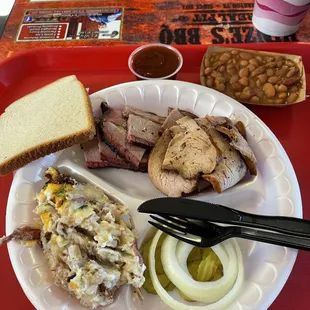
pixel 71 24
pixel 187 22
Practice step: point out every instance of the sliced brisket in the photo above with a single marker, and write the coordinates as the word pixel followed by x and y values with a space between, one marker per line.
pixel 241 128
pixel 142 131
pixel 113 116
pixel 237 135
pixel 97 154
pixel 241 145
pixel 116 138
pixel 150 116
pixel 171 119
pixel 231 169
pixel 113 133
pixel 144 162
pixel 92 155
pixel 184 113
pixel 107 155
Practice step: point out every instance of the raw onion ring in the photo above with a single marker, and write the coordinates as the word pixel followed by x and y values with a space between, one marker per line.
pixel 170 245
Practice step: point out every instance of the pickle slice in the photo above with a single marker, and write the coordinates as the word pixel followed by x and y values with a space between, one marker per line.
pixel 202 264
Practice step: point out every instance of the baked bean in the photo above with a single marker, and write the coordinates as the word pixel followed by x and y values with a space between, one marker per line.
pixel 244 63
pixel 254 62
pixel 230 61
pixel 291 72
pixel 208 71
pixel 282 71
pixel 234 52
pixel 279 101
pixel 244 96
pixel 251 67
pixel 234 61
pixel 247 90
pixel 269 90
pixel 230 66
pixel 260 92
pixel 289 63
pixel 243 72
pixel 234 79
pixel 293 89
pixel 292 97
pixel 245 56
pixel 274 79
pixel 269 58
pixel 258 83
pixel 263 78
pixel 244 81
pixel 254 99
pixel 225 57
pixel 259 59
pixel 232 71
pixel 215 74
pixel 236 86
pixel 282 88
pixel 270 72
pixel 279 64
pixel 271 64
pixel 252 84
pixel 210 81
pixel 279 58
pixel 282 95
pixel 237 94
pixel 220 79
pixel 222 69
pixel 216 65
pixel 207 62
pixel 259 70
pixel 220 87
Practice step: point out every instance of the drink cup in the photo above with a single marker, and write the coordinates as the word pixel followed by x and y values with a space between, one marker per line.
pixel 279 17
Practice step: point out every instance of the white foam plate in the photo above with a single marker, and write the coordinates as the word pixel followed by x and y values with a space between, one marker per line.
pixel 274 191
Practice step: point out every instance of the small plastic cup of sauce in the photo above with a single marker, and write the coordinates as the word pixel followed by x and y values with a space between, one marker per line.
pixel 155 61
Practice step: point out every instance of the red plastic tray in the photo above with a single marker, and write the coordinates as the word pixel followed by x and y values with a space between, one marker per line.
pixel 100 67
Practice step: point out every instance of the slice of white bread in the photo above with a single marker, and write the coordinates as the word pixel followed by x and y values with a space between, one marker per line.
pixel 47 120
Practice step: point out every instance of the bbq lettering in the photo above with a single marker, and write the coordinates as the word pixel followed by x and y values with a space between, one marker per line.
pixel 245 35
pixel 179 35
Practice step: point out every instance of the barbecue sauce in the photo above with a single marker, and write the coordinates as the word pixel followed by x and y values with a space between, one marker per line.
pixel 155 62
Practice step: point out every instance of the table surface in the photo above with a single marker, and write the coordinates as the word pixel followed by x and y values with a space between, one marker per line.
pixel 288 124
pixel 179 22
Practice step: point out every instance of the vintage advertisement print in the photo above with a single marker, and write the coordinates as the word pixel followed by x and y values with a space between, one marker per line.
pixel 71 24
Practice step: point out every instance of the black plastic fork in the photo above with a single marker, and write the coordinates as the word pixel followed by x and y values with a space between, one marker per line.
pixel 205 234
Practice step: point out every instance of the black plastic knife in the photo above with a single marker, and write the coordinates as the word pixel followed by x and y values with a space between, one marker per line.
pixel 205 211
